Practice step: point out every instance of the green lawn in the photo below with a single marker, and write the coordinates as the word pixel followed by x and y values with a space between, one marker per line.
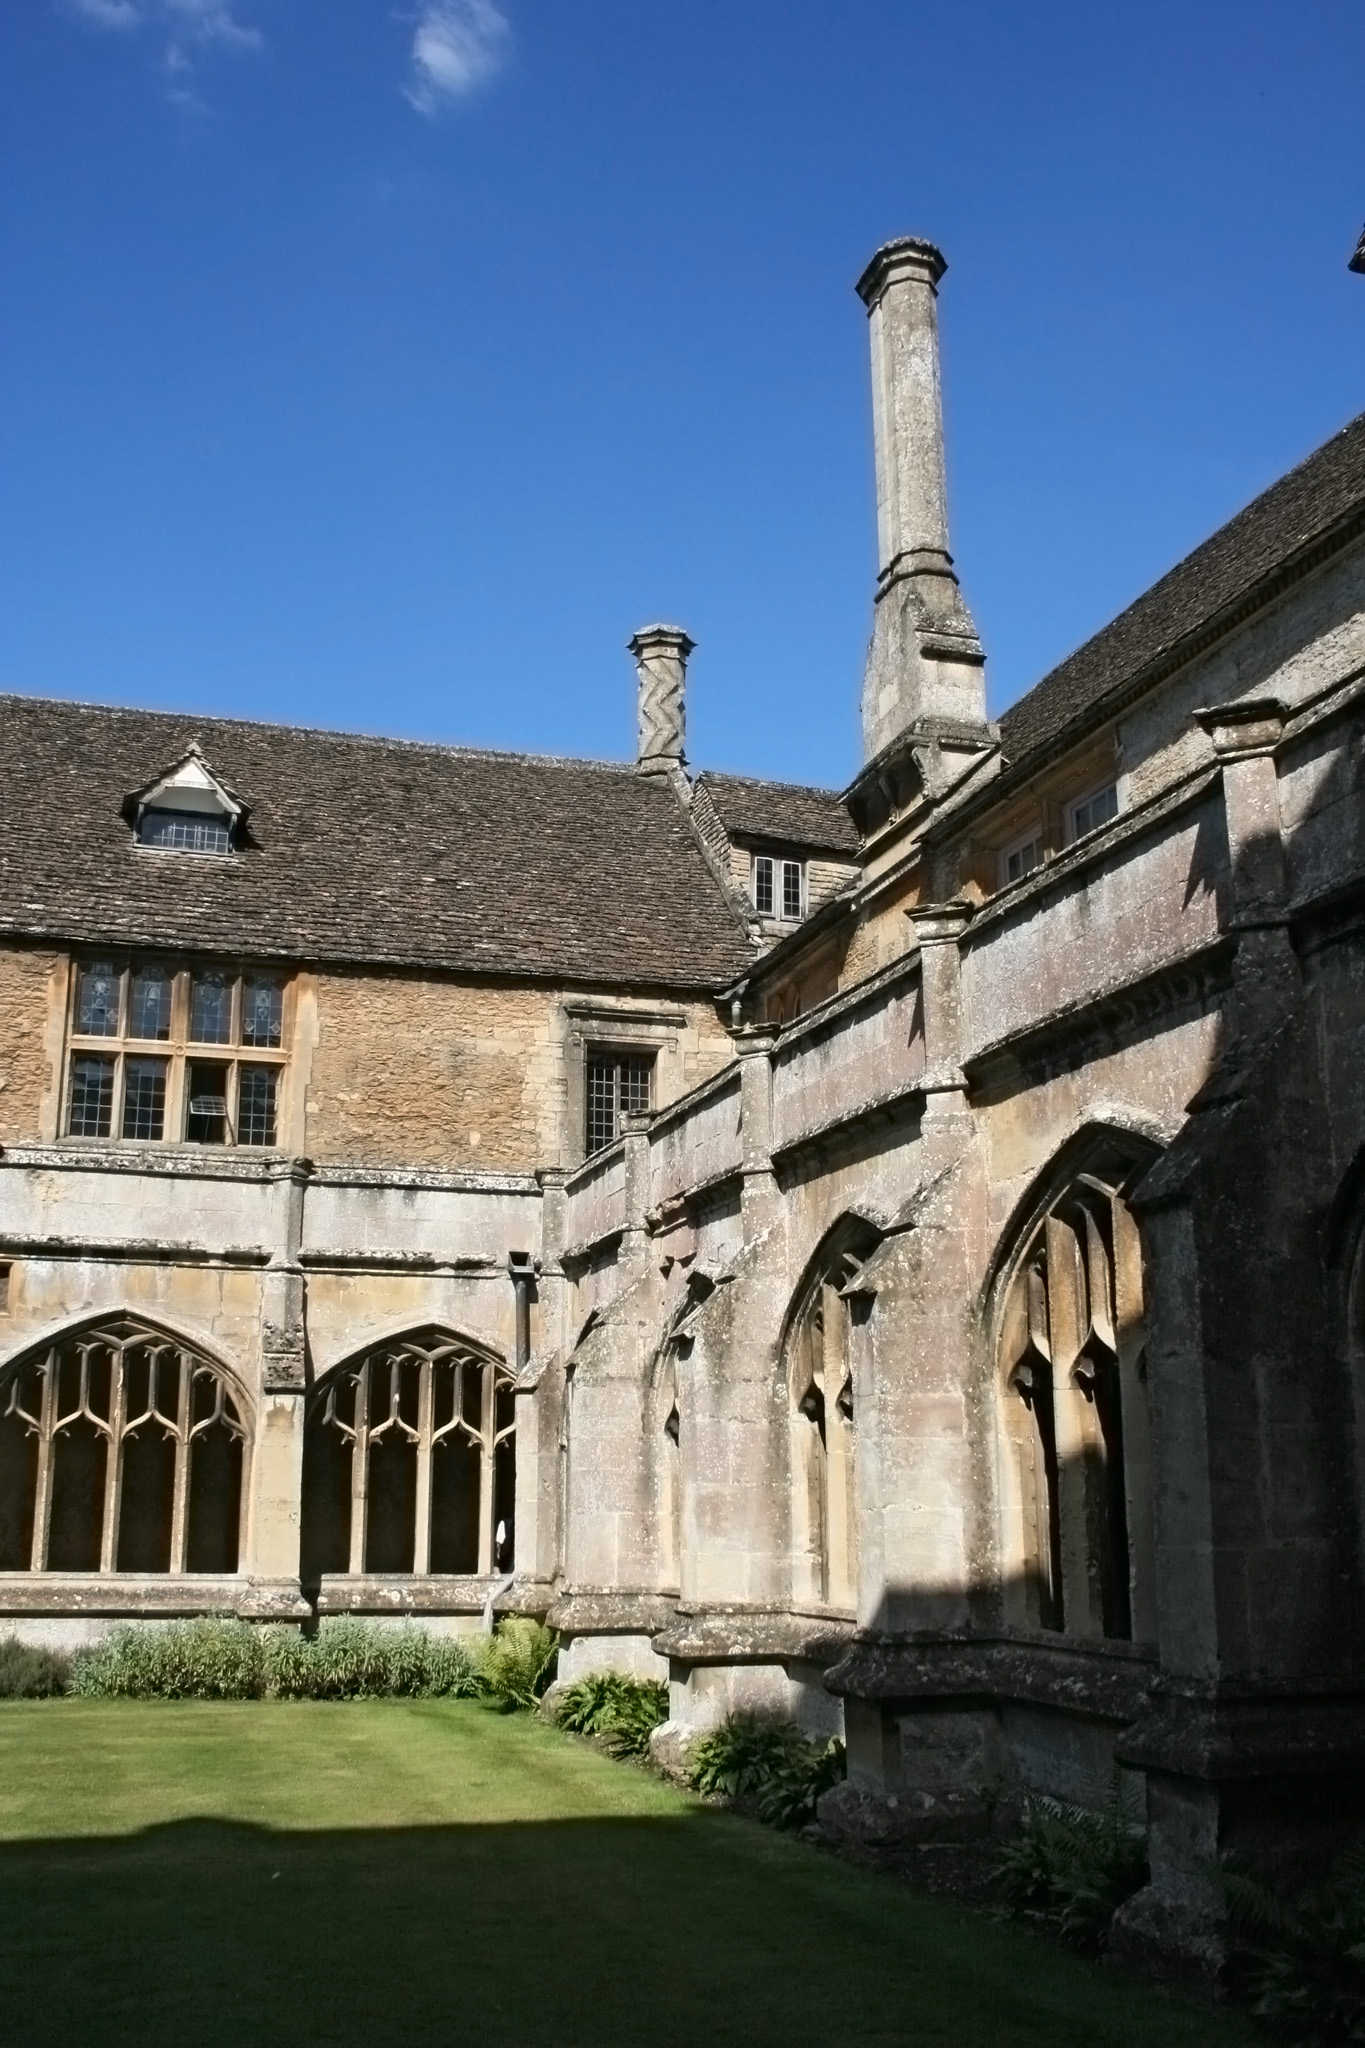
pixel 430 1872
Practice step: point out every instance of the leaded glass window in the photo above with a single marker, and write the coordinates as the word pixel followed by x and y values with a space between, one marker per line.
pixel 619 1084
pixel 211 1007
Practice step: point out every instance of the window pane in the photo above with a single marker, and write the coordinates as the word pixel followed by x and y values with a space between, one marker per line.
pixel 92 1095
pixel 1022 861
pixel 601 1104
pixel 1095 810
pixel 634 1086
pixel 150 1015
pixel 763 886
pixel 185 831
pixel 256 1105
pixel 97 1000
pixel 206 1104
pixel 791 888
pixel 211 1008
pixel 262 1012
pixel 144 1098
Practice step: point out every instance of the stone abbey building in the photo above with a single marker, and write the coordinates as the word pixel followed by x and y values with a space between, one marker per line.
pixel 893 1257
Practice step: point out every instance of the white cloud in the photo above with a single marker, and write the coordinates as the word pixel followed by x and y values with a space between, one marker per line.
pixel 456 46
pixel 109 13
pixel 190 29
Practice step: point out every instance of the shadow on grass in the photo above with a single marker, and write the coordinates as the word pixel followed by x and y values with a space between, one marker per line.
pixel 694 1928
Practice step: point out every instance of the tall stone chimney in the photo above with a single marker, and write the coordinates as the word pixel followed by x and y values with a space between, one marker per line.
pixel 925 667
pixel 661 662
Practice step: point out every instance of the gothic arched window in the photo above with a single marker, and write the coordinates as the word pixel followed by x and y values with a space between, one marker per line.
pixel 823 1427
pixel 410 1462
pixel 121 1450
pixel 1074 1373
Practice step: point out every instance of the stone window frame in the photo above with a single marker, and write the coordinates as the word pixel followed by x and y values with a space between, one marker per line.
pixel 594 1028
pixel 820 1362
pixel 77 1384
pixel 179 1051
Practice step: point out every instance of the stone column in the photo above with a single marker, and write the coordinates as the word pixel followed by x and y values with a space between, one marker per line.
pixel 925 667
pixel 939 928
pixel 1245 737
pixel 661 660
pixel 274 1518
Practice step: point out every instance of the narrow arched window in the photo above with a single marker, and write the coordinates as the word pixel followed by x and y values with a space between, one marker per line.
pixel 823 1425
pixel 1075 1388
pixel 410 1462
pixel 121 1450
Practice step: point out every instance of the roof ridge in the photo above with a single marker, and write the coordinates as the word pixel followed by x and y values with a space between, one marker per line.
pixel 339 734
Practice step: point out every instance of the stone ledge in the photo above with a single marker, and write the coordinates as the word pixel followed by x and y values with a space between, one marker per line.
pixel 429 1593
pixel 136 1595
pixel 1260 1733
pixel 590 1613
pixel 1104 1685
pixel 718 1637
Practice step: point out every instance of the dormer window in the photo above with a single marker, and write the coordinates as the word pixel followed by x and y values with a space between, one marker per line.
pixel 187 810
pixel 779 887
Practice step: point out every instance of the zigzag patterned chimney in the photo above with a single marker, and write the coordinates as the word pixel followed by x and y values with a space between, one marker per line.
pixel 925 667
pixel 661 662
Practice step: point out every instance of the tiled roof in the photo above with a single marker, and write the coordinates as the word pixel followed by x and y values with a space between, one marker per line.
pixel 785 811
pixel 361 850
pixel 1301 508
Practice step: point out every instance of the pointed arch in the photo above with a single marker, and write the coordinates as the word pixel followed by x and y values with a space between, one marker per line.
pixel 819 1380
pixel 1070 1391
pixel 664 1422
pixel 124 1447
pixel 410 1460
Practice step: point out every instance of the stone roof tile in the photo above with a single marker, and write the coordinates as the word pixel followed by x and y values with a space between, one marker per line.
pixel 789 812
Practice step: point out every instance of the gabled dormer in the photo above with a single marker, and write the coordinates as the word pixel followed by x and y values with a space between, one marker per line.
pixel 188 809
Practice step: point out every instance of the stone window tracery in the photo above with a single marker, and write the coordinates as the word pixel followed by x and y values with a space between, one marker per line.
pixel 411 1463
pixel 121 1450
pixel 1072 1364
pixel 823 1431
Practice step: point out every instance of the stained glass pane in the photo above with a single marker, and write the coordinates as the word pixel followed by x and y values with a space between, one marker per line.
pixel 211 1008
pixel 97 1000
pixel 262 1012
pixel 150 1015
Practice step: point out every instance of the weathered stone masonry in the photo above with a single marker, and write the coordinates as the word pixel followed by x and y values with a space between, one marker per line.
pixel 893 1258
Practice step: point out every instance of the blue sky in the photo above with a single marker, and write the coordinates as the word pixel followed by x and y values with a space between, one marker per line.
pixel 385 366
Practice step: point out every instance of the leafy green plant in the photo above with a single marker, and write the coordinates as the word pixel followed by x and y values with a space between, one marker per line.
pixel 753 1757
pixel 1304 1952
pixel 622 1711
pixel 788 1799
pixel 29 1673
pixel 1071 1870
pixel 214 1657
pixel 517 1662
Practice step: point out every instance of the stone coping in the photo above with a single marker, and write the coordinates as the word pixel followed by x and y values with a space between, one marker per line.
pixel 1105 1681
pixel 590 1613
pixel 144 1595
pixel 429 1593
pixel 720 1636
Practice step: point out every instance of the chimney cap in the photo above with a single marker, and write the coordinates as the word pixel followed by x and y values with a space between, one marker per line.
pixel 907 256
pixel 650 637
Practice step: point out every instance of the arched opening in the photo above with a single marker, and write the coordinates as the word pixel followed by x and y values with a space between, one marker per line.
pixel 122 1449
pixel 823 1421
pixel 668 1468
pixel 410 1462
pixel 1073 1379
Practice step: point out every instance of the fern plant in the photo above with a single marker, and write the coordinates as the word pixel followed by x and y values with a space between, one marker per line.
pixel 518 1662
pixel 1071 1870
pixel 751 1756
pixel 1304 1953
pixel 622 1711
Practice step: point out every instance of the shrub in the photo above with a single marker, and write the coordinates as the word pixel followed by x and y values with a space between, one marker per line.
pixel 1304 1953
pixel 27 1673
pixel 1071 1870
pixel 206 1659
pixel 217 1658
pixel 750 1757
pixel 623 1711
pixel 517 1662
